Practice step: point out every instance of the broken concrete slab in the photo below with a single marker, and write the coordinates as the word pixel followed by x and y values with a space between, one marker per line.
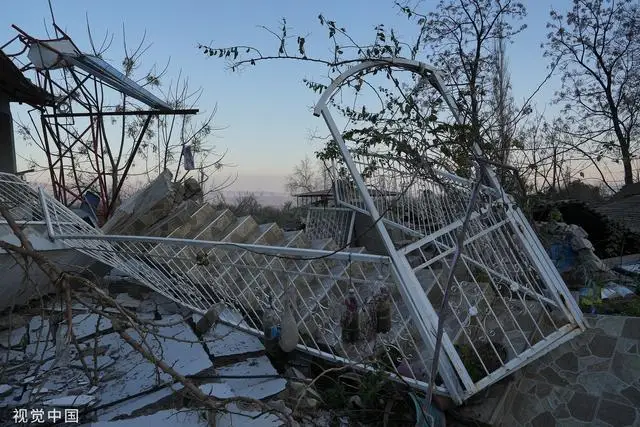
pixel 175 344
pixel 126 301
pixel 144 208
pixel 218 390
pixel 224 341
pixel 5 390
pixel 573 254
pixel 12 338
pixel 85 325
pixel 72 401
pixel 15 290
pixel 167 418
pixel 12 321
pixel 255 378
pixel 135 404
pixel 245 416
pixel 127 383
pixel 97 364
pixel 11 356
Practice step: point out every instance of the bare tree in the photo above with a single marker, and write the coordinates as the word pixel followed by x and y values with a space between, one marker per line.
pixel 306 176
pixel 597 45
pixel 551 158
pixel 467 40
pixel 177 135
pixel 502 101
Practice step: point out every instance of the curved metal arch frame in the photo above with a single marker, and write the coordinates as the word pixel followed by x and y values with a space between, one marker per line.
pixel 452 370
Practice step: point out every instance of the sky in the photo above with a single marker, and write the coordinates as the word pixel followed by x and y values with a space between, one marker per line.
pixel 265 111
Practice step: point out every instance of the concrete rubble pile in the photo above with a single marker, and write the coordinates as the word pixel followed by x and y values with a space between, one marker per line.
pixel 107 380
pixel 157 209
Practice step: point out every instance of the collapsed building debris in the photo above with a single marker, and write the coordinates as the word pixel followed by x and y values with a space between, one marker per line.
pixel 573 254
pixel 107 379
pixel 466 250
pixel 589 277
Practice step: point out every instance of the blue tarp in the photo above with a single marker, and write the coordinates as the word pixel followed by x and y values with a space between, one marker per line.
pixel 563 256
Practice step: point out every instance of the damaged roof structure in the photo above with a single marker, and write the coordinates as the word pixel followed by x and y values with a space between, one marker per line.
pixel 436 312
pixel 84 92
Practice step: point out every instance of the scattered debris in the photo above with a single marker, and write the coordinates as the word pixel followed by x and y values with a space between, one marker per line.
pixel 573 254
pixel 613 290
pixel 166 418
pixel 107 380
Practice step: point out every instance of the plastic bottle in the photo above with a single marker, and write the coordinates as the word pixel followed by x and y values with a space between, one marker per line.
pixel 383 310
pixel 350 321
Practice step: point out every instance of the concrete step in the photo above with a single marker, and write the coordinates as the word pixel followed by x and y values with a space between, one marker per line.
pixel 233 267
pixel 187 229
pixel 190 228
pixel 241 282
pixel 244 229
pixel 212 228
pixel 177 218
pixel 272 235
pixel 297 239
pixel 226 227
pixel 319 289
pixel 218 227
pixel 263 234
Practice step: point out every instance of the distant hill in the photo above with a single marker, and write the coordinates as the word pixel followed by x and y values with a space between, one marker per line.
pixel 266 198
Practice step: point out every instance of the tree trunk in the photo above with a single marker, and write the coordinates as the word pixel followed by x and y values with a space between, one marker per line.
pixel 626 163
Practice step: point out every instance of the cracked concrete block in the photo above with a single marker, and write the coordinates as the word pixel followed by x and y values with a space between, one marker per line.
pixel 245 417
pixel 12 321
pixel 73 401
pixel 144 209
pixel 5 390
pixel 12 339
pixel 127 301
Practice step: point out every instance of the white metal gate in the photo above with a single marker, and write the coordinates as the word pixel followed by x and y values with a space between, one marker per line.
pixel 508 305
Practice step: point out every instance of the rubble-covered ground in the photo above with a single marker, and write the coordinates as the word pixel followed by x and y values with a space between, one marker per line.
pixel 112 384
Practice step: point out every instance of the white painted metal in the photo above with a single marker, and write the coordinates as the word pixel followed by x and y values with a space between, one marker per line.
pixel 500 243
pixel 422 311
pixel 505 290
pixel 243 275
pixel 330 223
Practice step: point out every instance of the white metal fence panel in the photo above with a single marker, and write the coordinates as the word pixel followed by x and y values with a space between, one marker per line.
pixel 509 305
pixel 330 223
pixel 250 279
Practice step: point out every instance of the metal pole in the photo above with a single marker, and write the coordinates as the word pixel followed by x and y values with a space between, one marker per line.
pixel 45 211
pixel 410 287
pixel 445 299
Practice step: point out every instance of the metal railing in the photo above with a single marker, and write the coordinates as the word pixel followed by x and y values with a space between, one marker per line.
pixel 250 279
pixel 330 223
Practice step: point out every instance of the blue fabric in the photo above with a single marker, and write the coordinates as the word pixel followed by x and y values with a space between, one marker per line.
pixel 562 256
